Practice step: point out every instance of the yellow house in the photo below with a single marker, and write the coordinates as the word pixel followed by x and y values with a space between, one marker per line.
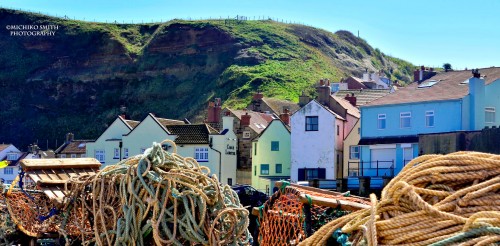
pixel 351 151
pixel 210 148
pixel 107 148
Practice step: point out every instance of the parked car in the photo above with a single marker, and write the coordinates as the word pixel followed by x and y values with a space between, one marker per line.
pixel 249 196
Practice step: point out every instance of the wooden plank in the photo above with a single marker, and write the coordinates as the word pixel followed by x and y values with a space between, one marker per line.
pixel 321 191
pixel 333 203
pixel 59 163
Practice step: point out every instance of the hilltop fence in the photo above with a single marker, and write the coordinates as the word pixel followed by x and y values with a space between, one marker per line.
pixel 229 20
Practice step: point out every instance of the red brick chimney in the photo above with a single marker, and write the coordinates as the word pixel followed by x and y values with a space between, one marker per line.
pixel 285 116
pixel 123 116
pixel 351 99
pixel 245 120
pixel 214 111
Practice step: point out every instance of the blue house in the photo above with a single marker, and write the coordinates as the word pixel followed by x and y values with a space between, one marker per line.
pixel 447 102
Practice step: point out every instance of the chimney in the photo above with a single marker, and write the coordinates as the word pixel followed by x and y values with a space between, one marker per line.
pixel 324 91
pixel 257 101
pixel 245 120
pixel 214 111
pixel 366 76
pixel 285 116
pixel 69 137
pixel 351 99
pixel 123 116
pixel 416 75
pixel 227 123
pixel 477 103
pixel 303 99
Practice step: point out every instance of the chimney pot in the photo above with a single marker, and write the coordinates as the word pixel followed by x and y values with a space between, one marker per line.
pixel 245 120
pixel 285 116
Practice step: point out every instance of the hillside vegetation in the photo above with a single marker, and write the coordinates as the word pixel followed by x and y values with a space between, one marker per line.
pixel 78 79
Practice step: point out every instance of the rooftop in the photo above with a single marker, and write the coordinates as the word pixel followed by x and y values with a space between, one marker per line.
pixel 443 86
pixel 352 110
pixel 277 105
pixel 191 134
pixel 364 96
pixel 73 147
pixel 258 121
pixel 4 146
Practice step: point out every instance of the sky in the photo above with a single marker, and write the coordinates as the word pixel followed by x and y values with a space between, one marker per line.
pixel 465 34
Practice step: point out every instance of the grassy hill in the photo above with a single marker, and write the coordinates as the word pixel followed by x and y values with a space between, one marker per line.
pixel 78 79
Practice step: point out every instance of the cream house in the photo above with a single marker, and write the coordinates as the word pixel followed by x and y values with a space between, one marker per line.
pixel 108 147
pixel 216 150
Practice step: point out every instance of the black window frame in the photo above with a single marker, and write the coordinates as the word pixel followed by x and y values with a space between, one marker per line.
pixel 273 145
pixel 311 125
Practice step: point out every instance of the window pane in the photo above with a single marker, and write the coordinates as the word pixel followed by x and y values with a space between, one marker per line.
pixel 275 146
pixel 264 169
pixel 278 168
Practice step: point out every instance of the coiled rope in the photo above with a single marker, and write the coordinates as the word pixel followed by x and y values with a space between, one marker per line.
pixel 155 198
pixel 436 199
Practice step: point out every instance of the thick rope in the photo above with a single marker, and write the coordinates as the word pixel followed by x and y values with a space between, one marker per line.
pixel 435 199
pixel 155 198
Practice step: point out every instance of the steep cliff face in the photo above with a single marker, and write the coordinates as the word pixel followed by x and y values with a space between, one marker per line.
pixel 77 79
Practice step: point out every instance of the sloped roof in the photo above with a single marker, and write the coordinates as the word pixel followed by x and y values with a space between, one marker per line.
pixel 449 86
pixel 277 121
pixel 347 105
pixel 277 105
pixel 73 147
pixel 13 163
pixel 132 123
pixel 191 134
pixel 258 121
pixel 364 96
pixel 166 122
pixel 4 146
pixel 325 107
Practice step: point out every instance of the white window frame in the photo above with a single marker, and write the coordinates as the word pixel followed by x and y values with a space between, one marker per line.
pixel 379 118
pixel 402 116
pixel 201 154
pixel 73 155
pixel 246 134
pixel 492 111
pixel 351 152
pixel 62 156
pixel 428 115
pixel 125 152
pixel 8 171
pixel 116 153
pixel 12 156
pixel 100 155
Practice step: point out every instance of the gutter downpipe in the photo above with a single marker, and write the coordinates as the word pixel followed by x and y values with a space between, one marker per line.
pixel 220 161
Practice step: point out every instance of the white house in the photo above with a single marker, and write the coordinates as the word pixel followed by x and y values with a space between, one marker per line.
pixel 316 131
pixel 107 148
pixel 12 154
pixel 216 150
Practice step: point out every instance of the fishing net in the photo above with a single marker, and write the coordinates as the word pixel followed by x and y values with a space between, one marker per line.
pixel 435 200
pixel 156 198
pixel 291 214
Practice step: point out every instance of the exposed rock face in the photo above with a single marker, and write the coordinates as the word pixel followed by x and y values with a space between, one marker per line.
pixel 77 80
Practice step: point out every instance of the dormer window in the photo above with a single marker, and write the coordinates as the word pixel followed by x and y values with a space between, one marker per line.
pixel 429 83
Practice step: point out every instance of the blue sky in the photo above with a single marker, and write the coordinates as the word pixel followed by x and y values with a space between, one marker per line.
pixel 424 32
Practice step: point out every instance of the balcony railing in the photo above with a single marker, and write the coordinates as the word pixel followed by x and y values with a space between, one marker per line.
pixel 372 169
